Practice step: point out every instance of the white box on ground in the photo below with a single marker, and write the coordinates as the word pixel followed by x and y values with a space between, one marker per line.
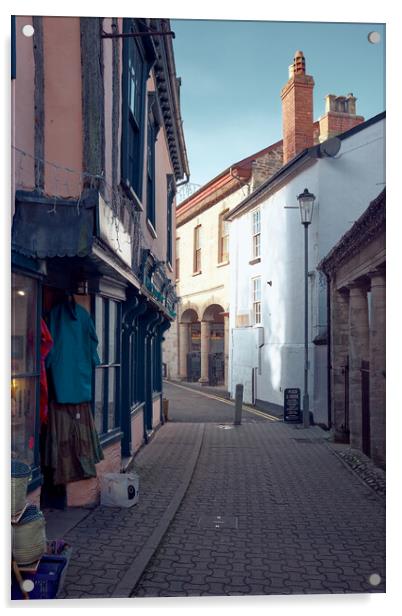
pixel 119 489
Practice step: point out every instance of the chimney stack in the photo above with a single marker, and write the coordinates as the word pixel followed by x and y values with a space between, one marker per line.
pixel 340 116
pixel 297 109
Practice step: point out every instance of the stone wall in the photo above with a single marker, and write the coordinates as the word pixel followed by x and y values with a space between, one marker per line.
pixel 266 165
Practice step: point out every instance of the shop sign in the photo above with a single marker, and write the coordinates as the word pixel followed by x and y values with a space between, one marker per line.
pixel 291 406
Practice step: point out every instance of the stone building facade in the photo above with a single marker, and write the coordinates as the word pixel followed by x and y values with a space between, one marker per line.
pixel 356 271
pixel 197 346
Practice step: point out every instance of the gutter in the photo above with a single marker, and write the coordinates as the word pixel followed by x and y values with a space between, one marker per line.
pixel 242 184
pixel 306 156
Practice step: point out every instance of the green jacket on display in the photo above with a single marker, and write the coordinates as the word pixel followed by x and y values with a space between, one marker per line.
pixel 74 353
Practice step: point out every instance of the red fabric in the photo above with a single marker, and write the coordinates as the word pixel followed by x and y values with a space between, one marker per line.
pixel 46 344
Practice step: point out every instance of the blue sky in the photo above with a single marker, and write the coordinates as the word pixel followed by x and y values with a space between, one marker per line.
pixel 233 71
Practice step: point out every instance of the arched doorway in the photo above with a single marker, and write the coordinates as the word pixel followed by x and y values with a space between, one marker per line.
pixel 213 345
pixel 190 345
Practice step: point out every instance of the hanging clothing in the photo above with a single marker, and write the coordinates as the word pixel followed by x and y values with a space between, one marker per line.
pixel 46 344
pixel 74 355
pixel 72 444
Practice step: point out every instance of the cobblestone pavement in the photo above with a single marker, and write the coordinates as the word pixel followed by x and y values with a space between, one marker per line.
pixel 293 520
pixel 188 405
pixel 363 466
pixel 108 541
pixel 261 508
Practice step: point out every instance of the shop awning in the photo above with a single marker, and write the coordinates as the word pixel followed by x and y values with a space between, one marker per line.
pixel 44 227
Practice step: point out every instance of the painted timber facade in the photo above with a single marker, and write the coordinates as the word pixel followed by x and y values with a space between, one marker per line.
pixel 98 149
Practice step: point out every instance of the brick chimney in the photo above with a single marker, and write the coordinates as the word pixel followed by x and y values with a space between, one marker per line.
pixel 297 109
pixel 340 115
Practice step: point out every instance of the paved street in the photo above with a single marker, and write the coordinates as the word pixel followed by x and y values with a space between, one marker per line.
pixel 261 508
pixel 186 404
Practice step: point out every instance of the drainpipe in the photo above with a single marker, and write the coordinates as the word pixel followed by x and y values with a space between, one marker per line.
pixel 329 397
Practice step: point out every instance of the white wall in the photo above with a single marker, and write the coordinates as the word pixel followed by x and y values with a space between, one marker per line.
pixel 344 187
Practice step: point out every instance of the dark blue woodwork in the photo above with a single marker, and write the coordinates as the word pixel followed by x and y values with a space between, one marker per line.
pixel 133 308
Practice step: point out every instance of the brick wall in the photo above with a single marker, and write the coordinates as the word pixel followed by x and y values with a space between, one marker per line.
pixel 297 115
pixel 87 491
pixel 334 123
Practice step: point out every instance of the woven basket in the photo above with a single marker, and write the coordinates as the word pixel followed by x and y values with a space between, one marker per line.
pixel 29 537
pixel 20 473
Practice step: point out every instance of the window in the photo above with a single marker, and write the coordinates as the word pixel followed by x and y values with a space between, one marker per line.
pixel 107 374
pixel 223 248
pixel 197 249
pixel 256 234
pixel 134 77
pixel 256 290
pixel 178 258
pixel 151 139
pixel 169 221
pixel 25 369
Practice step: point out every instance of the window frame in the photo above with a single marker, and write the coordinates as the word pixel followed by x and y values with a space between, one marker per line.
pixel 256 234
pixel 197 250
pixel 170 192
pixel 223 256
pixel 256 301
pixel 35 479
pixel 133 127
pixel 105 366
pixel 177 259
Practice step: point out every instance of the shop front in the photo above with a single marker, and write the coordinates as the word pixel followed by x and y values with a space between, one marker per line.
pixel 87 334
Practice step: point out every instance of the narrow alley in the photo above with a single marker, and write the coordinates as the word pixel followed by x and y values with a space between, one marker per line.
pixel 261 508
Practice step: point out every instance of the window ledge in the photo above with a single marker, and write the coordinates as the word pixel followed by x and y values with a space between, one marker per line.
pixel 197 273
pixel 255 260
pixel 151 229
pixel 110 437
pixel 132 195
pixel 137 408
pixel 223 263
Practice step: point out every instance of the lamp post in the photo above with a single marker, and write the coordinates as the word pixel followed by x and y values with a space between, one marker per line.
pixel 306 205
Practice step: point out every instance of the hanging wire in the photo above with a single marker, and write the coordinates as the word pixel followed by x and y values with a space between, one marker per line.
pixel 116 200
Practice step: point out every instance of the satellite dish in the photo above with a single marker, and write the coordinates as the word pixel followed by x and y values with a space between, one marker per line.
pixel 330 147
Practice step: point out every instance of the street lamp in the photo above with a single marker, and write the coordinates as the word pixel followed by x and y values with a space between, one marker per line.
pixel 306 206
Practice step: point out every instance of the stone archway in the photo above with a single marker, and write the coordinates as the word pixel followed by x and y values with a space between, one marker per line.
pixel 213 345
pixel 189 345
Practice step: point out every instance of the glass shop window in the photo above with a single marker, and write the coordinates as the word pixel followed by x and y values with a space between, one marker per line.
pixel 25 369
pixel 107 374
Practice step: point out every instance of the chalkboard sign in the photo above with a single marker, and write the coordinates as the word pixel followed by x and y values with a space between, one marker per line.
pixel 291 405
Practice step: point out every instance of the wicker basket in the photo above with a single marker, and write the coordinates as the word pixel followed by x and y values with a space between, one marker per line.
pixel 20 473
pixel 29 537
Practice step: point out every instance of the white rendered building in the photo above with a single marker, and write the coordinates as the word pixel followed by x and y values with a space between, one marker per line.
pixel 266 348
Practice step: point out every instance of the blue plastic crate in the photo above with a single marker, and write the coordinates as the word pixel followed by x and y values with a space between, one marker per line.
pixel 46 579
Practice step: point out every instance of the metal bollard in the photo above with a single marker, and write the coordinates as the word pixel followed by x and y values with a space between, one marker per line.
pixel 238 404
